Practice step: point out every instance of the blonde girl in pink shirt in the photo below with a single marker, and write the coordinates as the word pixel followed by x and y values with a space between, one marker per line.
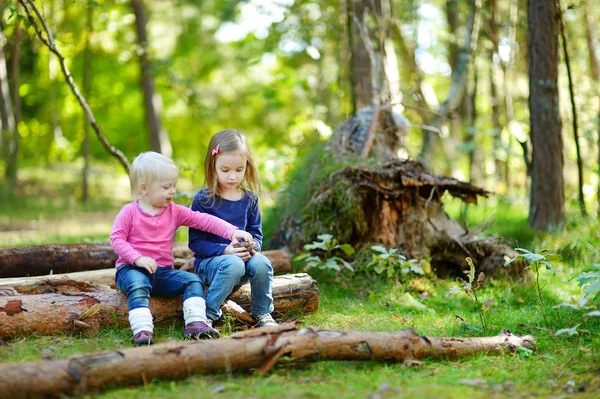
pixel 142 236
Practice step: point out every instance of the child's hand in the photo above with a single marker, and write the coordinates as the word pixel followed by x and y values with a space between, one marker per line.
pixel 147 263
pixel 241 235
pixel 242 252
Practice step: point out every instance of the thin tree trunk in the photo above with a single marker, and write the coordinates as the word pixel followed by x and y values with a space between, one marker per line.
pixel 12 164
pixel 87 91
pixel 546 209
pixel 459 80
pixel 563 33
pixel 159 139
pixel 258 349
pixel 65 258
pixel 49 314
pixel 31 9
pixel 494 21
pixel 475 163
pixel 7 118
pixel 591 38
pixel 507 84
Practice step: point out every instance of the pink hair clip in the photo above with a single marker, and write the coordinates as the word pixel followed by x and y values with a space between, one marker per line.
pixel 215 150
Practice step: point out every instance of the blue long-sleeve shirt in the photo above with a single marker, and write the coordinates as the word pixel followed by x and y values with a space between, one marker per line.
pixel 244 213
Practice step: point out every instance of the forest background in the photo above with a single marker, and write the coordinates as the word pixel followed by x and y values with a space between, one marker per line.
pixel 167 75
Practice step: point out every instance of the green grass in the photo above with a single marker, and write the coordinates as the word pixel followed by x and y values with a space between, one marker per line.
pixel 370 303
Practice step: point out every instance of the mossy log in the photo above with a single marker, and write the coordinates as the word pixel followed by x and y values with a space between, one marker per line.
pixel 397 204
pixel 49 314
pixel 42 260
pixel 258 349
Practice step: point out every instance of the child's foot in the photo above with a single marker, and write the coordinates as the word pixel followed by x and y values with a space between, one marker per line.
pixel 266 320
pixel 200 330
pixel 143 338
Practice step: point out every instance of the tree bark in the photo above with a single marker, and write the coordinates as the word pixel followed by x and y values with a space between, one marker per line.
pixel 7 119
pixel 546 208
pixel 563 34
pixel 87 88
pixel 459 79
pixel 590 36
pixel 159 139
pixel 258 349
pixel 27 285
pixel 494 21
pixel 65 258
pixel 49 314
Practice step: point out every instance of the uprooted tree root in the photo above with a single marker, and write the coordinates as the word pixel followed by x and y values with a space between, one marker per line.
pixel 398 205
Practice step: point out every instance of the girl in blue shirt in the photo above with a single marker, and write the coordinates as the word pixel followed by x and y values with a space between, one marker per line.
pixel 231 181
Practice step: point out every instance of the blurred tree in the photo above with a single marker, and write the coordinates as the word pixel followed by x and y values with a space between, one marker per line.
pixel 7 117
pixel 159 138
pixel 546 208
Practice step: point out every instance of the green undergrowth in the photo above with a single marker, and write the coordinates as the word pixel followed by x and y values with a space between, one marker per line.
pixel 562 366
pixel 560 363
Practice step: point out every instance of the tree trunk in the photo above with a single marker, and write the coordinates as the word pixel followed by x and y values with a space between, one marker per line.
pixel 546 209
pixel 12 164
pixel 507 84
pixel 49 314
pixel 87 88
pixel 361 63
pixel 494 21
pixel 563 34
pixel 459 79
pixel 255 349
pixel 591 38
pixel 8 130
pixel 64 258
pixel 159 139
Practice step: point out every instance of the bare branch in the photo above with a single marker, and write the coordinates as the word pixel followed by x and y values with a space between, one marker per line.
pixel 30 10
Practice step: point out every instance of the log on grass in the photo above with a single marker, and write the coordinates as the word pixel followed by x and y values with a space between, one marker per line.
pixel 49 314
pixel 257 349
pixel 41 284
pixel 67 258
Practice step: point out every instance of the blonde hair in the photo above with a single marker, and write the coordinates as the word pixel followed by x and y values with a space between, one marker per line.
pixel 229 140
pixel 146 168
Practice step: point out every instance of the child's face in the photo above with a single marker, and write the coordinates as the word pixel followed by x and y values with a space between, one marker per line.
pixel 162 190
pixel 231 168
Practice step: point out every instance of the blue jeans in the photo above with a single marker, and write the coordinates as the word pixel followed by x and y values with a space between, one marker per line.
pixel 222 273
pixel 138 284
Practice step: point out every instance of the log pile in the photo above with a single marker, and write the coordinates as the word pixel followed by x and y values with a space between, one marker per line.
pixel 258 349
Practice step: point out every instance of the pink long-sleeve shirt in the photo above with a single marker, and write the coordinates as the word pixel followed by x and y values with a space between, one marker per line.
pixel 136 233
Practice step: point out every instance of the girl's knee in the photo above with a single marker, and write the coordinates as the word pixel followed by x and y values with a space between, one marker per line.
pixel 233 265
pixel 261 267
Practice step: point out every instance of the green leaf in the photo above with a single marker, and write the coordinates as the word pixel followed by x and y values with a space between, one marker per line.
pixel 566 305
pixel 326 238
pixel 524 352
pixel 593 288
pixel 379 249
pixel 570 331
pixel 347 248
pixel 594 313
pixel 315 245
pixel 332 264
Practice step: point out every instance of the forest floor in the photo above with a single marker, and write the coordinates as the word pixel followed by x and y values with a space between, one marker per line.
pixel 564 365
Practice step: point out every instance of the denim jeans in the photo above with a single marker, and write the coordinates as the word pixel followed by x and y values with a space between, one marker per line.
pixel 222 273
pixel 138 284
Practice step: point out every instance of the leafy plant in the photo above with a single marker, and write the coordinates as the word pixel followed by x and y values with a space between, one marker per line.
pixel 392 263
pixel 590 280
pixel 537 262
pixel 320 254
pixel 470 289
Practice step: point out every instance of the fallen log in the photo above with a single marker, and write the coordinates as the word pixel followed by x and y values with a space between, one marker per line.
pixel 38 284
pixel 49 314
pixel 257 349
pixel 67 258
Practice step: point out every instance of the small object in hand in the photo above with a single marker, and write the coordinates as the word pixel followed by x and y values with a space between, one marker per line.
pixel 249 246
